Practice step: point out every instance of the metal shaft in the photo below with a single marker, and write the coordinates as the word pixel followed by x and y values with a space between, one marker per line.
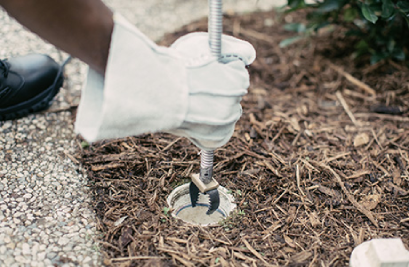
pixel 215 29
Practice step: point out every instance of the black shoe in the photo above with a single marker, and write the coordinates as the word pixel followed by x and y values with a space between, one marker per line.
pixel 28 84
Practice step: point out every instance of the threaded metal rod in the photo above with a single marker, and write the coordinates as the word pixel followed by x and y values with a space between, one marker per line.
pixel 206 166
pixel 215 25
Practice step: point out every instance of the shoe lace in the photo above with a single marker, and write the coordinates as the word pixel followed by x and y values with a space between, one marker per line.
pixel 5 67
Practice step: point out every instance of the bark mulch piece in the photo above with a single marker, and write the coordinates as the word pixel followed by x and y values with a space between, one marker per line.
pixel 318 163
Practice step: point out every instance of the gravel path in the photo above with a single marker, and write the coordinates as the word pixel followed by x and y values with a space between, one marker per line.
pixel 45 217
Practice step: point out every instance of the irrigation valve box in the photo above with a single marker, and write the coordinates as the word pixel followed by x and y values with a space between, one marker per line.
pixel 380 253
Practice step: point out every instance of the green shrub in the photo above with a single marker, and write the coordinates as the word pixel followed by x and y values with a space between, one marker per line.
pixel 382 26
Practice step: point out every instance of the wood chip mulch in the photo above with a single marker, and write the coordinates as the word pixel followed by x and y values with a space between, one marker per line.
pixel 318 163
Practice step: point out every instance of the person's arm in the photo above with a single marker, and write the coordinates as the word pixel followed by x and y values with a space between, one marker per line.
pixel 81 28
pixel 135 86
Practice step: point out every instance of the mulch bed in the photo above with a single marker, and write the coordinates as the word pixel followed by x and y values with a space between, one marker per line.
pixel 317 164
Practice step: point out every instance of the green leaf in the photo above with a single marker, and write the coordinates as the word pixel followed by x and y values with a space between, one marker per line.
pixel 407 20
pixel 330 5
pixel 317 26
pixel 378 57
pixel 291 40
pixel 387 8
pixel 354 33
pixel 391 45
pixel 166 211
pixel 295 3
pixel 84 144
pixel 399 54
pixel 369 13
pixel 295 27
pixel 362 45
pixel 350 14
pixel 242 212
pixel 403 6
pixel 376 8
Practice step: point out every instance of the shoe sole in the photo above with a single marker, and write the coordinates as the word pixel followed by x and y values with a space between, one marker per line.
pixel 38 103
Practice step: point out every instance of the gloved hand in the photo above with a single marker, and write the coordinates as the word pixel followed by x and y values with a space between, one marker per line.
pixel 180 89
pixel 215 89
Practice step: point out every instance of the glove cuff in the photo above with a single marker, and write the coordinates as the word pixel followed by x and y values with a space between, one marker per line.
pixel 144 89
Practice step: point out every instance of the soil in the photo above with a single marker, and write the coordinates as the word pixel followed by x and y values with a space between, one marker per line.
pixel 318 163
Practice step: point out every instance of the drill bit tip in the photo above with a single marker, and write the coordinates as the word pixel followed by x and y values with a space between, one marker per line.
pixel 214 201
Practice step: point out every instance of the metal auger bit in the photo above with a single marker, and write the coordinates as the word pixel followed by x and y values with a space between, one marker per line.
pixel 214 201
pixel 194 193
pixel 204 183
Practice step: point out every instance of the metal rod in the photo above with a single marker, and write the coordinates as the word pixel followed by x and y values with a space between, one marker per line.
pixel 215 28
pixel 206 166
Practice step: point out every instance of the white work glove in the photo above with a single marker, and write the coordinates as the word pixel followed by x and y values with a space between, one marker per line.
pixel 180 89
pixel 215 89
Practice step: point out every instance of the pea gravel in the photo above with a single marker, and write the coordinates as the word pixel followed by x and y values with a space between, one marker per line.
pixel 45 213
